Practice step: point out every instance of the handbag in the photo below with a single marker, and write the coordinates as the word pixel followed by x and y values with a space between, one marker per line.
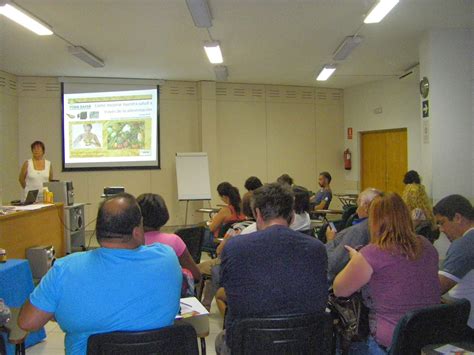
pixel 351 318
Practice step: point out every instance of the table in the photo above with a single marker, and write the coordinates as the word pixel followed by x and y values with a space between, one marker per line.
pixel 16 284
pixel 347 199
pixel 25 229
pixel 210 210
pixel 430 349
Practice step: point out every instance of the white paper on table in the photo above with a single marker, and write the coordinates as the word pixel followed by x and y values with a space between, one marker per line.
pixel 191 307
pixel 32 207
pixel 451 349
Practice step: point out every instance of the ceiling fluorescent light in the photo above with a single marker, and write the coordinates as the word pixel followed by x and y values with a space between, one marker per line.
pixel 380 10
pixel 25 19
pixel 200 12
pixel 221 72
pixel 86 56
pixel 213 51
pixel 346 47
pixel 326 72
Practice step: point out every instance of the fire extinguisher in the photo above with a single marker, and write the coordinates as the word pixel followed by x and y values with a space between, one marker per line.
pixel 347 159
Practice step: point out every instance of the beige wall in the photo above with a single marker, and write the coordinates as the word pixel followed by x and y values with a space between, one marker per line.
pixel 268 130
pixel 9 186
pixel 245 129
pixel 399 101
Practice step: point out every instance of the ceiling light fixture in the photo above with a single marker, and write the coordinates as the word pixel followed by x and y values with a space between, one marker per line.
pixel 346 47
pixel 86 56
pixel 380 10
pixel 221 72
pixel 23 18
pixel 326 72
pixel 213 51
pixel 200 12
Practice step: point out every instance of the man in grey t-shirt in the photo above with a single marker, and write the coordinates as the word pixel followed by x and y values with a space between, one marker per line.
pixel 322 198
pixel 354 236
pixel 455 217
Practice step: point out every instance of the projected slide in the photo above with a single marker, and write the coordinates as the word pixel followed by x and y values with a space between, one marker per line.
pixel 111 129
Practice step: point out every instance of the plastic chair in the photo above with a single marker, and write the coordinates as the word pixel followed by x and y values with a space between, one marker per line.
pixel 15 335
pixel 175 339
pixel 443 323
pixel 193 238
pixel 297 334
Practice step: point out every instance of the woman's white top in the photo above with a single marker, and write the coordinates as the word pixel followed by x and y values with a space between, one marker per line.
pixel 35 178
pixel 302 222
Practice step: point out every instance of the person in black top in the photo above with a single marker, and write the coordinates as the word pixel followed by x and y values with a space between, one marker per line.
pixel 274 271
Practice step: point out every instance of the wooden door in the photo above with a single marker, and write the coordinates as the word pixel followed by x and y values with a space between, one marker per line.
pixel 384 159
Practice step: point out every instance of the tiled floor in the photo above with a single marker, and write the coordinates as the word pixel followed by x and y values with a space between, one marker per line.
pixel 54 342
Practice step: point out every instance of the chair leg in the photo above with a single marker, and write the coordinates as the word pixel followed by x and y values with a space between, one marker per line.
pixel 203 346
pixel 201 289
pixel 20 349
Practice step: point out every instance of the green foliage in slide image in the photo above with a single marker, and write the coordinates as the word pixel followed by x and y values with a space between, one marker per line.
pixel 126 135
pixel 120 138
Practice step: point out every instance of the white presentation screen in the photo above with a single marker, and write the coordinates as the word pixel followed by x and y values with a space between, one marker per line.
pixel 106 127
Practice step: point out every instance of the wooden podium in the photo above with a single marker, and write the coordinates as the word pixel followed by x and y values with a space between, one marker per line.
pixel 25 229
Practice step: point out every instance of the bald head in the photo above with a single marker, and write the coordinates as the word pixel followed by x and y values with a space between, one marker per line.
pixel 117 218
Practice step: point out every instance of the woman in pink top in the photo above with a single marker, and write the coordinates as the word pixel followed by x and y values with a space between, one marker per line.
pixel 155 215
pixel 231 212
pixel 399 268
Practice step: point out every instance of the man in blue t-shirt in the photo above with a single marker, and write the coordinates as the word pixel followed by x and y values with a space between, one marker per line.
pixel 455 217
pixel 322 199
pixel 274 271
pixel 121 286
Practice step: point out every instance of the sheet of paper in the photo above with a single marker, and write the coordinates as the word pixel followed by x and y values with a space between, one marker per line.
pixel 191 307
pixel 32 207
pixel 451 349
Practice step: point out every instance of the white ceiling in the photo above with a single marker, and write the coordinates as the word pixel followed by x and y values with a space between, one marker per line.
pixel 263 41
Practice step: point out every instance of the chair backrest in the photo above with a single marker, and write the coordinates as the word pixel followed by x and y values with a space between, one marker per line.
pixel 193 238
pixel 443 323
pixel 298 334
pixel 175 339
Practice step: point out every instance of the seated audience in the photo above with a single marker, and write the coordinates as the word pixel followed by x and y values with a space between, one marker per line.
pixel 455 217
pixel 155 215
pixel 415 196
pixel 231 212
pixel 399 267
pixel 285 179
pixel 206 267
pixel 301 221
pixel 322 199
pixel 121 286
pixel 274 271
pixel 355 236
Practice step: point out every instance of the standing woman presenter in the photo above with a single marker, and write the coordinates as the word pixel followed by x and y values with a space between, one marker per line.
pixel 35 171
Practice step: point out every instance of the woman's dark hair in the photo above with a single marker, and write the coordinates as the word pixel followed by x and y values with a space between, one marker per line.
pixel 411 177
pixel 246 205
pixel 301 199
pixel 154 211
pixel 35 143
pixel 226 189
pixel 252 183
pixel 285 179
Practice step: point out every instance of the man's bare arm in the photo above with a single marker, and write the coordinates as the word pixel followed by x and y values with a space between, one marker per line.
pixel 32 318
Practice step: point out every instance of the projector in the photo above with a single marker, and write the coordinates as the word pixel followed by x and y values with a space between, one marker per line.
pixel 113 190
